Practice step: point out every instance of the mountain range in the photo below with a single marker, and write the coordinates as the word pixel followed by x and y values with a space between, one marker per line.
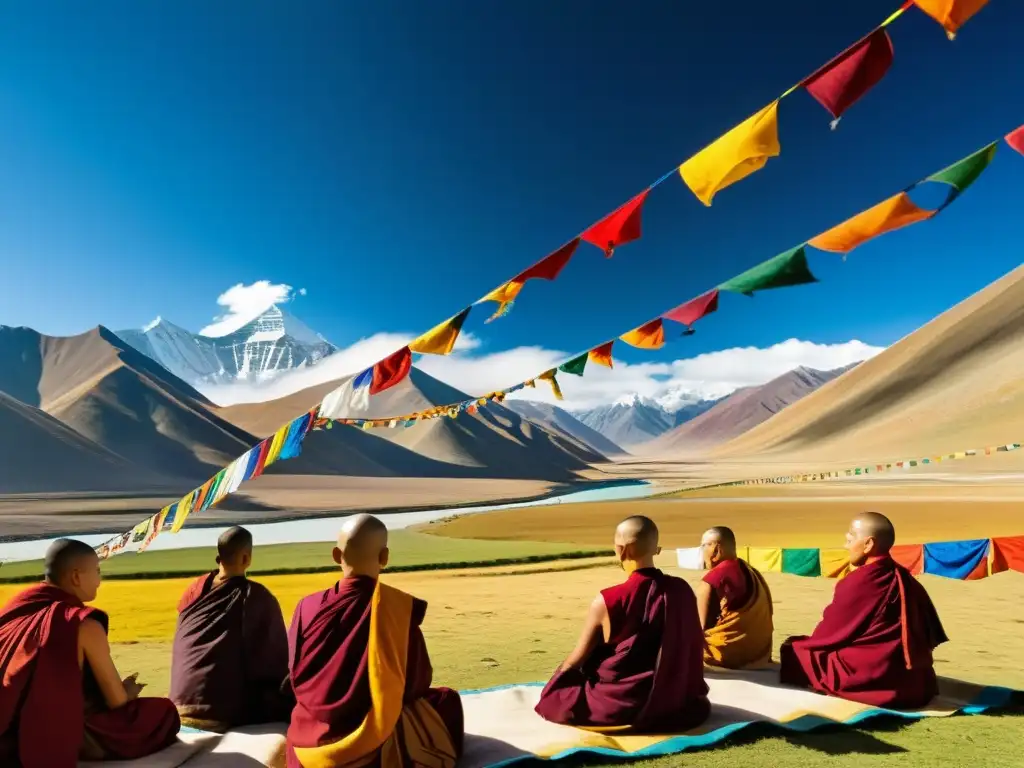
pixel 633 420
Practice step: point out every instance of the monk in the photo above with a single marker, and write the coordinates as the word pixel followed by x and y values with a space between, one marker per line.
pixel 61 697
pixel 230 654
pixel 638 663
pixel 734 605
pixel 360 670
pixel 875 641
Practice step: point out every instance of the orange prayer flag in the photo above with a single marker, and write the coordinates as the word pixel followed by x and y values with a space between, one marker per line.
pixel 602 355
pixel 1016 139
pixel 648 336
pixel 440 340
pixel 734 156
pixel 891 214
pixel 951 14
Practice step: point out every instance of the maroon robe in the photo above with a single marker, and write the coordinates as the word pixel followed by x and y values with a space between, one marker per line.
pixel 230 655
pixel 731 582
pixel 45 694
pixel 874 643
pixel 650 675
pixel 328 642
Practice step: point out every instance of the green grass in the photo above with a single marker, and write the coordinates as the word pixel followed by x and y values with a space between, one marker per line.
pixel 410 551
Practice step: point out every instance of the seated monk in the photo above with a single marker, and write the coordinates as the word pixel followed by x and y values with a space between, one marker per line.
pixel 61 698
pixel 875 641
pixel 638 663
pixel 734 604
pixel 361 673
pixel 230 656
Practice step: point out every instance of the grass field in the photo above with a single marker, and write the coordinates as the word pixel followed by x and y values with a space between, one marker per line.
pixel 515 625
pixel 409 551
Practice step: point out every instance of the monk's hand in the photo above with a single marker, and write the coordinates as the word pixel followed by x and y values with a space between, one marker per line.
pixel 132 686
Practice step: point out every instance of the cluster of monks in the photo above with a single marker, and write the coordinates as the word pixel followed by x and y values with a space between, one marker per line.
pixel 352 677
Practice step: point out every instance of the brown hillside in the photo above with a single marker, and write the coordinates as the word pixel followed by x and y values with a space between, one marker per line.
pixel 956 383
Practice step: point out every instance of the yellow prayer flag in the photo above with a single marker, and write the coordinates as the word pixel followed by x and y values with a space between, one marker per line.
pixel 648 336
pixel 890 214
pixel 835 563
pixel 765 559
pixel 274 452
pixel 734 156
pixel 549 376
pixel 440 340
pixel 504 294
pixel 951 14
pixel 184 510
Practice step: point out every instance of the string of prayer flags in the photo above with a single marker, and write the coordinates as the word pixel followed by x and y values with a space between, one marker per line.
pixel 1016 139
pixel 575 366
pixel 951 14
pixel 689 313
pixel 650 335
pixel 547 268
pixel 155 524
pixel 839 84
pixel 297 432
pixel 891 214
pixel 734 156
pixel 440 340
pixel 619 227
pixel 787 269
pixel 963 173
pixel 391 370
pixel 602 355
pixel 549 376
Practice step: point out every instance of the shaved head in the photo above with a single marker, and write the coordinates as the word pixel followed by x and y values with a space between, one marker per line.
pixel 73 566
pixel 362 546
pixel 871 534
pixel 233 545
pixel 717 544
pixel 636 540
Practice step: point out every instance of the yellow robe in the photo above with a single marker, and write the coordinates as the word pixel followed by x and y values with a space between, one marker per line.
pixel 743 638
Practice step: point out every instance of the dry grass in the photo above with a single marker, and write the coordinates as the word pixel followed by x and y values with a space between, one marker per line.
pixel 516 626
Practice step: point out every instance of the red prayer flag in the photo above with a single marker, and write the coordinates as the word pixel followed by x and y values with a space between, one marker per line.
pixel 391 370
pixel 1016 139
pixel 261 461
pixel 851 74
pixel 1008 554
pixel 602 355
pixel 694 309
pixel 910 556
pixel 619 227
pixel 549 267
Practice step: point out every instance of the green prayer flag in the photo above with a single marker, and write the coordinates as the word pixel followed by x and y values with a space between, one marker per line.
pixel 576 365
pixel 801 562
pixel 962 174
pixel 786 269
pixel 217 480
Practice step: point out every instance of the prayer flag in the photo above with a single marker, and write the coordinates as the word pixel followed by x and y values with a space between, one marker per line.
pixel 297 432
pixel 851 74
pixel 694 309
pixel 602 355
pixel 276 443
pixel 648 336
pixel 910 556
pixel 765 559
pixel 549 376
pixel 964 560
pixel 551 265
pixel 171 516
pixel 786 269
pixel 951 14
pixel 364 379
pixel 440 340
pixel 964 172
pixel 212 496
pixel 391 370
pixel 734 156
pixel 1008 554
pixel 1016 139
pixel 835 563
pixel 619 227
pixel 183 511
pixel 576 365
pixel 153 529
pixel 889 215
pixel 505 294
pixel 801 562
pixel 261 458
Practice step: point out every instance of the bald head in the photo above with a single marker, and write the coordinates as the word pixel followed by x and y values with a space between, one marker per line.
pixel 362 546
pixel 717 544
pixel 234 549
pixel 73 566
pixel 871 534
pixel 636 539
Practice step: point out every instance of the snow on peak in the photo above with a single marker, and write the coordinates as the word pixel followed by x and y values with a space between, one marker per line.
pixel 150 326
pixel 634 399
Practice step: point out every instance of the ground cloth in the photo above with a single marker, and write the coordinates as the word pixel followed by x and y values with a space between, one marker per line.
pixel 502 728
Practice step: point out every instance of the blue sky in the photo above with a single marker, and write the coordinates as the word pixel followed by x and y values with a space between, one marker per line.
pixel 397 160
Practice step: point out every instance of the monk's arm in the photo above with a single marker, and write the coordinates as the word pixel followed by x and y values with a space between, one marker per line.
pixel 705 595
pixel 96 650
pixel 595 629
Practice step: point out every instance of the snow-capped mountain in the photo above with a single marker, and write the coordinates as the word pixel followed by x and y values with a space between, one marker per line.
pixel 268 345
pixel 632 419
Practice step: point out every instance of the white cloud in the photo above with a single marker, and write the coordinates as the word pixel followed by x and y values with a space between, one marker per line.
pixel 710 375
pixel 242 303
